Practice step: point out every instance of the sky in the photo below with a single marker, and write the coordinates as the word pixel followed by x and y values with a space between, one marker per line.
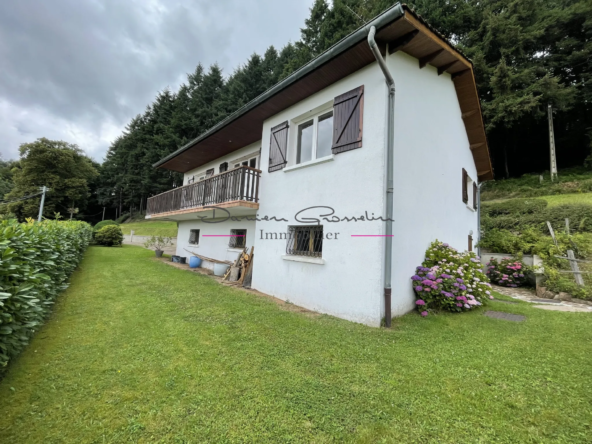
pixel 80 70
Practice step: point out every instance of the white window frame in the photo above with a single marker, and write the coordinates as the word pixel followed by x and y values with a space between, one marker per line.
pixel 471 197
pixel 315 135
pixel 248 162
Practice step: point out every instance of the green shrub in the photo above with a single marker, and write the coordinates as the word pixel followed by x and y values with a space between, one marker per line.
pixel 36 261
pixel 449 280
pixel 104 223
pixel 495 217
pixel 121 219
pixel 110 236
pixel 513 207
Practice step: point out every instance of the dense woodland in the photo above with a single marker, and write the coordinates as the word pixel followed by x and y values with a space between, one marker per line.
pixel 527 54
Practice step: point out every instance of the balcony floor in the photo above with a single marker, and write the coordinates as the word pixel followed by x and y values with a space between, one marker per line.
pixel 222 210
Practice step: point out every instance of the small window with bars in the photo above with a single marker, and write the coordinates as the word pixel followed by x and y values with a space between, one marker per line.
pixel 194 237
pixel 238 238
pixel 305 241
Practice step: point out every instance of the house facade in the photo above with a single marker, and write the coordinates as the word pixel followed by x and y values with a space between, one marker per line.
pixel 301 173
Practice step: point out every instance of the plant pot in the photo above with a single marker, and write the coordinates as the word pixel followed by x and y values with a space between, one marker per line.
pixel 158 253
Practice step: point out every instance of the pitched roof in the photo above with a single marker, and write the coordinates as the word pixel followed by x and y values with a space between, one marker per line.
pixel 399 27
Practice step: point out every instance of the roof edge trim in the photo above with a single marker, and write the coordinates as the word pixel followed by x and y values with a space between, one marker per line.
pixel 388 16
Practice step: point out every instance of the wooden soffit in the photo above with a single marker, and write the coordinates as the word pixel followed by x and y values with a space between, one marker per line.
pixel 402 30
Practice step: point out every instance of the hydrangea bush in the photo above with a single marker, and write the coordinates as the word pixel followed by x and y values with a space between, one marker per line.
pixel 508 272
pixel 450 280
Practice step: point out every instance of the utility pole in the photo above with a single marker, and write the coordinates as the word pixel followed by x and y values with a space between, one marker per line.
pixel 552 144
pixel 103 214
pixel 44 189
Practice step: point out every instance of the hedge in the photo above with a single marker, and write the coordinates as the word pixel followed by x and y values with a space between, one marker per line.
pixel 36 260
pixel 110 236
pixel 104 223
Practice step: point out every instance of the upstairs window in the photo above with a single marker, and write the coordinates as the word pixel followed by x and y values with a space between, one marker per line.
pixel 305 241
pixel 315 137
pixel 238 238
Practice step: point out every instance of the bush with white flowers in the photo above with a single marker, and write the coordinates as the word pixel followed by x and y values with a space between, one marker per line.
pixel 449 280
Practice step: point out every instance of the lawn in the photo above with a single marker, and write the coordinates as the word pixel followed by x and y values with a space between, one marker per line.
pixel 138 351
pixel 151 228
pixel 560 199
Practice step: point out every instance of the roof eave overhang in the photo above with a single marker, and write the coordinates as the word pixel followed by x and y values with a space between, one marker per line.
pixel 345 57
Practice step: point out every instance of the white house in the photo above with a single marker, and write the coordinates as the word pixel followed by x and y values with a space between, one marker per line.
pixel 309 171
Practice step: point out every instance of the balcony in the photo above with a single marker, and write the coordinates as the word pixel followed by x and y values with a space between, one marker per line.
pixel 236 189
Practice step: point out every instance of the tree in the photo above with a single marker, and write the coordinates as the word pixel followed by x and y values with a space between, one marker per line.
pixel 6 182
pixel 62 167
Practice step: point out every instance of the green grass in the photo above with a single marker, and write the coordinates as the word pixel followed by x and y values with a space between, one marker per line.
pixel 138 351
pixel 569 181
pixel 561 199
pixel 151 228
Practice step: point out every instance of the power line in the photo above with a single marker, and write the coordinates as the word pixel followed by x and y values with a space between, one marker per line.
pixel 30 196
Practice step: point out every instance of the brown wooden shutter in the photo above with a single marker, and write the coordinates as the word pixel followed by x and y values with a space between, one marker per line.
pixel 474 196
pixel 348 111
pixel 465 193
pixel 278 147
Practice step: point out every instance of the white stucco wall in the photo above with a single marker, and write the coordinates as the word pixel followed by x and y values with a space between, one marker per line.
pixel 349 283
pixel 431 149
pixel 230 158
pixel 212 247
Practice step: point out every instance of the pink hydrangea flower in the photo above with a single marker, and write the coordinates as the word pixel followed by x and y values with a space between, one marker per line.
pixel 420 302
pixel 424 313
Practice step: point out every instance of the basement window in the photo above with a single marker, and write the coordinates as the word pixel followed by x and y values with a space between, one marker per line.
pixel 193 237
pixel 238 239
pixel 305 241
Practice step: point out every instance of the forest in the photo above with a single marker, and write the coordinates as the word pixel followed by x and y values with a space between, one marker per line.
pixel 527 54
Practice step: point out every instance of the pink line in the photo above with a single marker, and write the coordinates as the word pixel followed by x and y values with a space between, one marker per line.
pixel 223 235
pixel 372 235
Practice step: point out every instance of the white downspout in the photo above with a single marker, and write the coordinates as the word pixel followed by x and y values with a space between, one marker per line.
pixel 388 240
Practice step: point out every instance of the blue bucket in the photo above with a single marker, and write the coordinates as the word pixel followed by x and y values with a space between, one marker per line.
pixel 194 262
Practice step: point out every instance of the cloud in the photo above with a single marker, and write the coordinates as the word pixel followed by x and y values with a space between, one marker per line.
pixel 80 70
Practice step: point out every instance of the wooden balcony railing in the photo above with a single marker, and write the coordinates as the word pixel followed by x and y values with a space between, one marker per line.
pixel 239 184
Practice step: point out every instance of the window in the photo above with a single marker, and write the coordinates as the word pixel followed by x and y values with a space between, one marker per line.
pixel 315 138
pixel 252 162
pixel 210 172
pixel 191 180
pixel 305 241
pixel 469 190
pixel 194 237
pixel 238 239
pixel 224 167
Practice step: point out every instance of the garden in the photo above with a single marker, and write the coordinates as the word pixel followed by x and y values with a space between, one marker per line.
pixel 139 351
pixel 519 227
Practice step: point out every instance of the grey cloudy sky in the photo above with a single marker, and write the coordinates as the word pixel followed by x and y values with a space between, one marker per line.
pixel 79 70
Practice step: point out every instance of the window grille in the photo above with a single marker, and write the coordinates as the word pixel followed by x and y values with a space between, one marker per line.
pixel 305 241
pixel 238 238
pixel 194 237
